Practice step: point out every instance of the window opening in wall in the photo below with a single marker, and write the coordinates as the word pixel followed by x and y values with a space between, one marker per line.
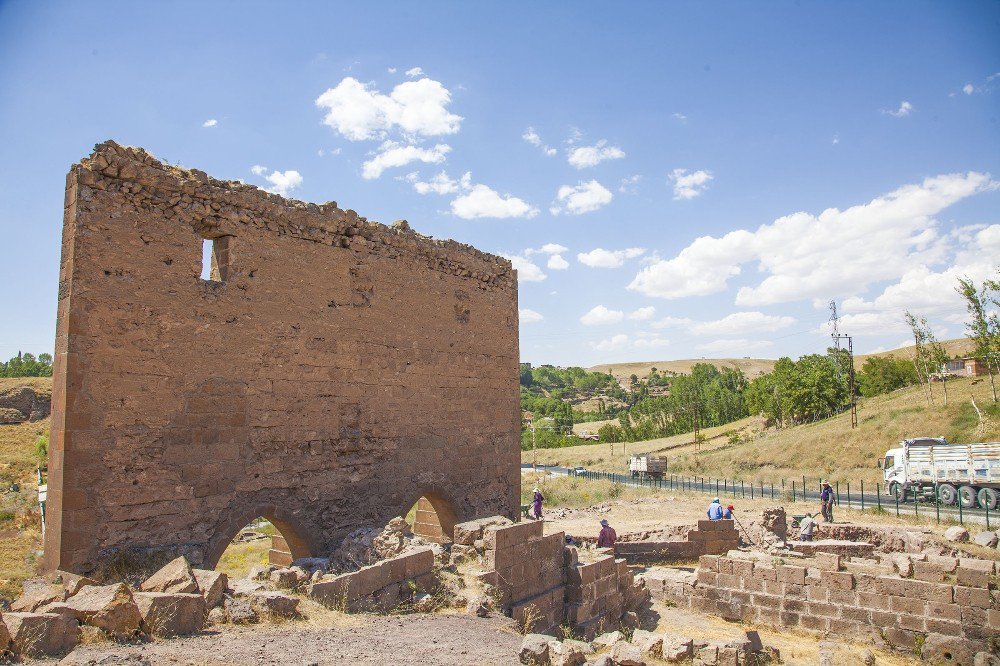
pixel 432 519
pixel 215 258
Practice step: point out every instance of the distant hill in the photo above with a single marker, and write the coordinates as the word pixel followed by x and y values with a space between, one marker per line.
pixel 958 347
pixel 751 367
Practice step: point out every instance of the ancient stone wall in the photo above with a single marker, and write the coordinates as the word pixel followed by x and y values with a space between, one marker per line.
pixel 710 537
pixel 332 371
pixel 949 601
pixel 378 586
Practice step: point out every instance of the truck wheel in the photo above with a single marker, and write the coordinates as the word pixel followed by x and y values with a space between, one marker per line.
pixel 897 491
pixel 947 494
pixel 967 497
pixel 989 498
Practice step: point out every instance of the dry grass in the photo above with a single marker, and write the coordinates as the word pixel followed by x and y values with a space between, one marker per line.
pixel 751 367
pixel 828 448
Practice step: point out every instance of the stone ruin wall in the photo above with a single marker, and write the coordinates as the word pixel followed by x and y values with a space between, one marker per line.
pixel 946 603
pixel 334 371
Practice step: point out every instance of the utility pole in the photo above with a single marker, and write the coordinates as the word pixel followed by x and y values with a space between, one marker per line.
pixel 837 337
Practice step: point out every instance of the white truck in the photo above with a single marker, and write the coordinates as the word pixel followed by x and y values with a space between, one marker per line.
pixel 643 466
pixel 929 467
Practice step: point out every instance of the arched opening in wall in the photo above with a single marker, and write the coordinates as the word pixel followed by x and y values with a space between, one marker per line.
pixel 259 543
pixel 432 518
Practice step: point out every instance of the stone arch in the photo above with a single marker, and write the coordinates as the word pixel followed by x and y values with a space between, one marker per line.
pixel 435 516
pixel 301 542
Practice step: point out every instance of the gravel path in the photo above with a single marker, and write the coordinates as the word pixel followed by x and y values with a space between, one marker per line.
pixel 449 640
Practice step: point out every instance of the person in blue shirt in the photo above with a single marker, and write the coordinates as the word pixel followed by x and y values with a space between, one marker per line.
pixel 728 515
pixel 715 510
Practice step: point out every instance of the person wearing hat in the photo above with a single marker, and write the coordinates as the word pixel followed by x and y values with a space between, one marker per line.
pixel 715 509
pixel 806 527
pixel 607 537
pixel 537 503
pixel 826 502
pixel 728 515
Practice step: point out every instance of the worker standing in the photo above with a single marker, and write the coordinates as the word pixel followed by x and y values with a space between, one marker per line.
pixel 537 503
pixel 826 501
pixel 715 509
pixel 607 537
pixel 806 527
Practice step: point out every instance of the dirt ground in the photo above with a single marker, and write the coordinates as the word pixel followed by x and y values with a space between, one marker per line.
pixel 449 640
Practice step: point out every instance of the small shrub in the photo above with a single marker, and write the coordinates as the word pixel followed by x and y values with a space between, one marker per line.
pixel 42 449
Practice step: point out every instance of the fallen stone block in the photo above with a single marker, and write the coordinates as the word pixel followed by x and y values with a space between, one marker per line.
pixel 609 639
pixel 676 648
pixel 167 614
pixel 70 582
pixel 649 643
pixel 582 646
pixel 602 660
pixel 34 597
pixel 274 604
pixel 626 654
pixel 4 637
pixel 239 611
pixel 957 534
pixel 110 608
pixel 986 539
pixel 284 579
pixel 466 534
pixel 312 564
pixel 939 649
pixel 212 585
pixel 261 572
pixel 176 576
pixel 985 659
pixel 563 654
pixel 41 634
pixel 535 649
pixel 216 616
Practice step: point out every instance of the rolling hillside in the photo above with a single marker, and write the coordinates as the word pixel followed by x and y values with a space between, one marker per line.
pixel 828 448
pixel 751 367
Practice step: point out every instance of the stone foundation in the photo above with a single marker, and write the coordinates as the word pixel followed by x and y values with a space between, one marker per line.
pixel 380 586
pixel 710 537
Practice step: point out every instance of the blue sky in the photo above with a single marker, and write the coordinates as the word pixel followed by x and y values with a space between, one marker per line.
pixel 709 176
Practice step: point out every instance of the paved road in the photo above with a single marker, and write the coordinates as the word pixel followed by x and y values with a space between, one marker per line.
pixel 870 500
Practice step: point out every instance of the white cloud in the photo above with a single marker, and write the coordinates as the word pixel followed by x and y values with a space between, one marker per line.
pixel 557 263
pixel 650 341
pixel 739 323
pixel 584 198
pixel 211 122
pixel 588 156
pixel 615 342
pixel 689 185
pixel 414 72
pixel 532 137
pixel 283 182
pixel 549 248
pixel 878 240
pixel 600 315
pixel 836 140
pixel 681 117
pixel 630 184
pixel 601 258
pixel 733 348
pixel 393 154
pixel 672 322
pixel 439 183
pixel 529 316
pixel 359 112
pixel 968 89
pixel 526 271
pixel 904 110
pixel 392 70
pixel 642 314
pixel 258 169
pixel 482 201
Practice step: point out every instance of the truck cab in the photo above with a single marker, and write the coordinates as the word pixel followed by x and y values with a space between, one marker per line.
pixel 894 471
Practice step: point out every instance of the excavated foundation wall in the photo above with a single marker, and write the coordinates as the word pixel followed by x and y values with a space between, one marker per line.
pixel 330 373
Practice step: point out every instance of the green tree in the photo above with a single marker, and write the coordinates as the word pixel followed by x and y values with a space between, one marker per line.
pixel 983 326
pixel 884 374
pixel 26 365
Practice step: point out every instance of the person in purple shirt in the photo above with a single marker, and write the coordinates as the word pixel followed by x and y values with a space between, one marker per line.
pixel 537 502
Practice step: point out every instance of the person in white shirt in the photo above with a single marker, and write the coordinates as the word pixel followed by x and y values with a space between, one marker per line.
pixel 806 527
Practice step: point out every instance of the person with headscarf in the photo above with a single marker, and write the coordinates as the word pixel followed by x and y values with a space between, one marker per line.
pixel 537 503
pixel 715 509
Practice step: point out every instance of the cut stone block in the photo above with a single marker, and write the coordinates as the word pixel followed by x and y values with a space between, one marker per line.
pixel 212 585
pixel 167 614
pixel 176 576
pixel 41 634
pixel 110 608
pixel 274 604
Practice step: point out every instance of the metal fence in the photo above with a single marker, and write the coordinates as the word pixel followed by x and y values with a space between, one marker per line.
pixel 799 490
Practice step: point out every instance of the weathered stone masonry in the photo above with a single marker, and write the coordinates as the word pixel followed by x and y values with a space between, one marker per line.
pixel 332 372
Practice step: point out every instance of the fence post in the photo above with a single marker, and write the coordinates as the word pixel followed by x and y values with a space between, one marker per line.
pixel 848 494
pixel 961 521
pixel 896 495
pixel 716 486
pixel 743 489
pixel 836 493
pixel 937 505
pixel 803 487
pixel 751 490
pixel 878 496
pixel 862 495
pixel 793 491
pixel 987 515
pixel 772 490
